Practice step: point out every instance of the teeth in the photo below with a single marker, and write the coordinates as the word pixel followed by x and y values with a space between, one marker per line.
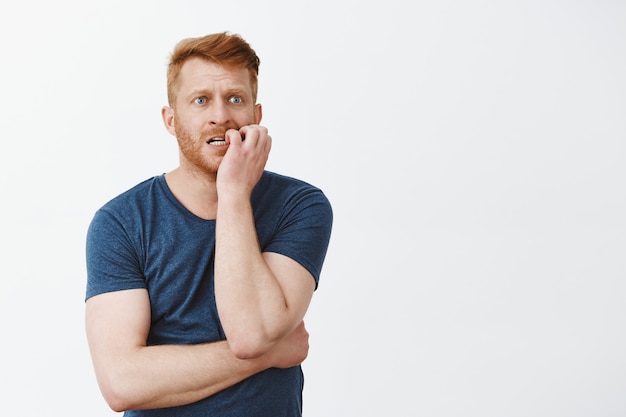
pixel 217 141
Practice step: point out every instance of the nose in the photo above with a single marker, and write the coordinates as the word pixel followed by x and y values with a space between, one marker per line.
pixel 218 114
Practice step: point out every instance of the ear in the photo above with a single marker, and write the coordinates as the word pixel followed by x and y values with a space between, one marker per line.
pixel 258 113
pixel 167 113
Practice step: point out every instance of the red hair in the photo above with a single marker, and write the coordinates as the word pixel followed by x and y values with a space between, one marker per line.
pixel 226 49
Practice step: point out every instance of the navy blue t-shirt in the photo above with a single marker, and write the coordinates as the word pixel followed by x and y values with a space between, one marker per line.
pixel 145 238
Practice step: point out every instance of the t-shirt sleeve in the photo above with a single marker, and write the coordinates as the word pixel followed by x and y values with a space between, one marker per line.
pixel 112 260
pixel 304 232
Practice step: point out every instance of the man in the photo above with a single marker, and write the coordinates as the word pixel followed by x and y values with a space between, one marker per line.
pixel 198 280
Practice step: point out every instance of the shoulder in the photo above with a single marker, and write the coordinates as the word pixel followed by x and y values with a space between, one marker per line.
pixel 289 196
pixel 273 182
pixel 127 207
pixel 138 195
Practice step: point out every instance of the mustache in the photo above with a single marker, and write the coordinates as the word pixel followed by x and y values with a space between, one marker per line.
pixel 204 135
pixel 214 133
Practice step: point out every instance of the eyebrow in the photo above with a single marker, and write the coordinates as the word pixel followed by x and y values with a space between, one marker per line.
pixel 204 92
pixel 198 92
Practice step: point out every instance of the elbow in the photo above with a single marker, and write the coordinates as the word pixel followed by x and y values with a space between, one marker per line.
pixel 115 399
pixel 117 406
pixel 250 341
pixel 247 349
pixel 250 346
pixel 117 394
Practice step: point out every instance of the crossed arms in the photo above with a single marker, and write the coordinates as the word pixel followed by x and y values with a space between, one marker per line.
pixel 261 298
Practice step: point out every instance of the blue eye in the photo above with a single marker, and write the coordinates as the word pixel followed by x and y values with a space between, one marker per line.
pixel 235 99
pixel 200 100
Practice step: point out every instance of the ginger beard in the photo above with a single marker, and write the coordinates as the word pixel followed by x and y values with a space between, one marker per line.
pixel 196 151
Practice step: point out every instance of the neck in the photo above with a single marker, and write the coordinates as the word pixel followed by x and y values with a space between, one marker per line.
pixel 196 192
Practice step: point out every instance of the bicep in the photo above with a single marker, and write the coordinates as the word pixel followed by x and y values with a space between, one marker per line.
pixel 295 281
pixel 116 323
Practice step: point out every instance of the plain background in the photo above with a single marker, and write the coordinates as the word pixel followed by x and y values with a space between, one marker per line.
pixel 474 153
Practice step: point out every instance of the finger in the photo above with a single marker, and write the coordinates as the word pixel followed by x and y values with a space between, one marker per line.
pixel 268 144
pixel 233 136
pixel 254 134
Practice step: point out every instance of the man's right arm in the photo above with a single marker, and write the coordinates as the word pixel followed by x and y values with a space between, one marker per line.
pixel 132 375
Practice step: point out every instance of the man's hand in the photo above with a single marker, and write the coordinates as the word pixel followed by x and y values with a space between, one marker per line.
pixel 292 350
pixel 245 159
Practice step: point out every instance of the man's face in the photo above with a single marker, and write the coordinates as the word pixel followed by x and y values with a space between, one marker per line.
pixel 211 99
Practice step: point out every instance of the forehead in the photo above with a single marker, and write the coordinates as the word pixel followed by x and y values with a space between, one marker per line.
pixel 198 73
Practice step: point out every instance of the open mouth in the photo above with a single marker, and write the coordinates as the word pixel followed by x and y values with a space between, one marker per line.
pixel 217 141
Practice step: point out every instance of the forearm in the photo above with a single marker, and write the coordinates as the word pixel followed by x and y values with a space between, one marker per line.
pixel 251 303
pixel 171 375
pixel 132 375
